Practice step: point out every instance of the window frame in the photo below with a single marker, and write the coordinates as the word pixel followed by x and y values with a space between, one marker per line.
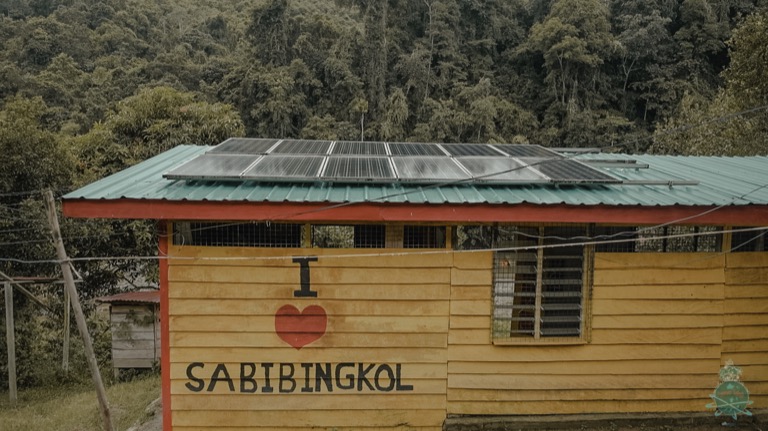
pixel 587 270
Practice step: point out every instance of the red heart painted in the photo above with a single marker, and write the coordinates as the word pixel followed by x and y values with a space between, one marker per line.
pixel 299 328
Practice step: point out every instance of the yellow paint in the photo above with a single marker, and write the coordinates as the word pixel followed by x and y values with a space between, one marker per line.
pixel 661 326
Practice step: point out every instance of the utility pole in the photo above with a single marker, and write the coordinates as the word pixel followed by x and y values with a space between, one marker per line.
pixel 69 285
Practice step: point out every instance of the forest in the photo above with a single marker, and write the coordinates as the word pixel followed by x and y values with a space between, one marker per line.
pixel 89 87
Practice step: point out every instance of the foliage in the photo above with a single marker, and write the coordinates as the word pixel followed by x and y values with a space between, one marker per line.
pixel 74 406
pixel 745 90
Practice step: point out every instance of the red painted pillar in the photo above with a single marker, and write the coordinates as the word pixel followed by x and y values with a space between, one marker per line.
pixel 165 349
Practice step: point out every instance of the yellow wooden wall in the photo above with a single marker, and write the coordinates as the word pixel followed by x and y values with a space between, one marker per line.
pixel 662 325
pixel 382 309
pixel 745 332
pixel 657 327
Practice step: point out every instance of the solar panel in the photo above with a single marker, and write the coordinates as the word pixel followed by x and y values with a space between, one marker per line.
pixel 500 169
pixel 426 169
pixel 568 171
pixel 412 149
pixel 357 161
pixel 517 150
pixel 457 150
pixel 277 167
pixel 358 168
pixel 213 166
pixel 360 148
pixel 294 146
pixel 244 146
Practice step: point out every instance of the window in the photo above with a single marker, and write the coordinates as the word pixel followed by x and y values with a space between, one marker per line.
pixel 237 234
pixel 540 283
pixel 749 240
pixel 423 236
pixel 662 239
pixel 348 236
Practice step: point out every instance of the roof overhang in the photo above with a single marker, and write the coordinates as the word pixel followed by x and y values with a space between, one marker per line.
pixel 741 215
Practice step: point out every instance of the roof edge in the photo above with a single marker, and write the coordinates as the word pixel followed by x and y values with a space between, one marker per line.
pixel 421 213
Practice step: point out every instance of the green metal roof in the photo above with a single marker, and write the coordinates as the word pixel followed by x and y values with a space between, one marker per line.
pixel 720 181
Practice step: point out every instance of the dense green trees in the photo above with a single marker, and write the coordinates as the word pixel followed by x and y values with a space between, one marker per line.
pixel 707 126
pixel 579 72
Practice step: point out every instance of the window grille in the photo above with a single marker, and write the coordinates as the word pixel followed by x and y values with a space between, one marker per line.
pixel 348 236
pixel 424 237
pixel 753 240
pixel 234 234
pixel 678 239
pixel 539 284
pixel 664 239
pixel 474 237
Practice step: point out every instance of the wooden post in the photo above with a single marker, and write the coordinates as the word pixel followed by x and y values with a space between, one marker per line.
pixel 10 339
pixel 69 284
pixel 65 347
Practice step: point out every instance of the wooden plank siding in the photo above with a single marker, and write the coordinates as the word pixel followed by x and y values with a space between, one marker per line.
pixel 656 333
pixel 745 326
pixel 661 326
pixel 390 309
pixel 135 335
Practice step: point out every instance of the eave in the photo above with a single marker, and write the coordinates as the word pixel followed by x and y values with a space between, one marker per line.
pixel 742 215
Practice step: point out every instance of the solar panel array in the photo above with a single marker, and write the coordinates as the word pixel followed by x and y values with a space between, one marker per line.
pixel 290 160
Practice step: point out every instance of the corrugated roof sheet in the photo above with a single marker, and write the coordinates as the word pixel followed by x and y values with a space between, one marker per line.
pixel 721 181
pixel 141 297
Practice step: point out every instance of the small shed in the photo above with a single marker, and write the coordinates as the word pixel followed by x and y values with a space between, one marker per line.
pixel 375 285
pixel 135 325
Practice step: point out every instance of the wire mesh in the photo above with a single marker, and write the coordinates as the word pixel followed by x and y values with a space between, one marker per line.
pixel 678 239
pixel 247 234
pixel 423 236
pixel 746 241
pixel 538 283
pixel 348 236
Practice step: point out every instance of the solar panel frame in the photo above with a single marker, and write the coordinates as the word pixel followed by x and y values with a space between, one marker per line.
pixel 285 168
pixel 409 149
pixel 381 162
pixel 296 146
pixel 428 169
pixel 569 171
pixel 471 150
pixel 503 170
pixel 213 166
pixel 521 150
pixel 244 146
pixel 359 148
pixel 357 169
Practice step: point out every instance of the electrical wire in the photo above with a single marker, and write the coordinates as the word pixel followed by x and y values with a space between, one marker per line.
pixel 386 254
pixel 525 166
pixel 457 182
pixel 23 193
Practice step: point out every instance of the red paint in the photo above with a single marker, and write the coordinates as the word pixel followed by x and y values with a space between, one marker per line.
pixel 744 215
pixel 299 328
pixel 165 348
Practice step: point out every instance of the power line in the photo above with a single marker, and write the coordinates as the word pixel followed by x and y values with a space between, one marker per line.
pixel 525 166
pixel 22 193
pixel 394 253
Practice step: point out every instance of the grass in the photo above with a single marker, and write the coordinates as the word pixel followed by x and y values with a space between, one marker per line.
pixel 75 408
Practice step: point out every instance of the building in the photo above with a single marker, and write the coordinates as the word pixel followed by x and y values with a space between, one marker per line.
pixel 134 321
pixel 312 284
